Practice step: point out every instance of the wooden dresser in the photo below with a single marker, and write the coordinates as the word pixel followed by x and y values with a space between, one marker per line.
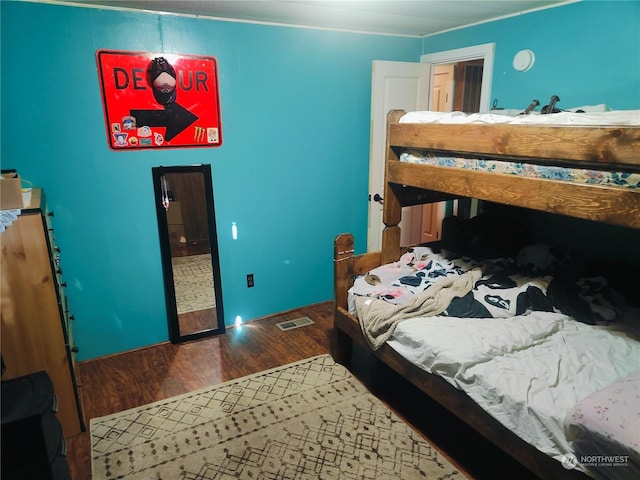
pixel 36 322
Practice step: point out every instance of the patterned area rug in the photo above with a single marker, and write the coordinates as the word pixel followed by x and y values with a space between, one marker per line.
pixel 193 281
pixel 306 420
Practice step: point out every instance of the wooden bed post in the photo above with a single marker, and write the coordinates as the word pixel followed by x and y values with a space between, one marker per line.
pixel 342 344
pixel 392 210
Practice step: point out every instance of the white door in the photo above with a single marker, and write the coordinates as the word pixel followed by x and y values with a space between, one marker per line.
pixel 395 85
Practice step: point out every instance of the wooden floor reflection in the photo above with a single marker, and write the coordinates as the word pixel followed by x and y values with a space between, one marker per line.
pixel 193 322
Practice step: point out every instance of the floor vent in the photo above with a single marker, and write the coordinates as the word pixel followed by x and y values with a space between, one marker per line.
pixel 291 324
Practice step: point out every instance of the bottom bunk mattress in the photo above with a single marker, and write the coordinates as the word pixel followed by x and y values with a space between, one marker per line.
pixel 586 176
pixel 506 339
pixel 529 372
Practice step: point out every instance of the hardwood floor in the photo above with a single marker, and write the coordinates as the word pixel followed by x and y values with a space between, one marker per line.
pixel 131 379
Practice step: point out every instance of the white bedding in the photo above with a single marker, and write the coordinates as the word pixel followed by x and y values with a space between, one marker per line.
pixel 604 430
pixel 526 371
pixel 592 116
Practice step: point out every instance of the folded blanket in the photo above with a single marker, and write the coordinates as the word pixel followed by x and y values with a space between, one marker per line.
pixel 378 318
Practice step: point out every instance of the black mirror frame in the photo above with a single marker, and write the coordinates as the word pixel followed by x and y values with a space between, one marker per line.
pixel 165 250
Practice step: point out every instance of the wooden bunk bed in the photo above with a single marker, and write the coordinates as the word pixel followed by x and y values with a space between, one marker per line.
pixel 610 147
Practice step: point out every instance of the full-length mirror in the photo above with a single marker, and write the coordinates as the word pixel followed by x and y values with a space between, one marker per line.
pixel 189 246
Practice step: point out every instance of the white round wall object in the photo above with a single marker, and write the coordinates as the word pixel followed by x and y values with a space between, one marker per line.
pixel 524 60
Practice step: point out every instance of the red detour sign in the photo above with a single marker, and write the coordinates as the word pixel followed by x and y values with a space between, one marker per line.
pixel 159 100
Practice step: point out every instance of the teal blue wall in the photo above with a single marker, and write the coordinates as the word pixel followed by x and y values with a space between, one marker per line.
pixel 587 53
pixel 292 172
pixel 293 169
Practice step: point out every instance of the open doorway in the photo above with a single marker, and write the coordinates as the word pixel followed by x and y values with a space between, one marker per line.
pixel 455 86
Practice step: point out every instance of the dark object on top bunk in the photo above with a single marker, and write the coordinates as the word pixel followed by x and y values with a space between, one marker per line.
pixel 494 105
pixel 550 108
pixel 534 103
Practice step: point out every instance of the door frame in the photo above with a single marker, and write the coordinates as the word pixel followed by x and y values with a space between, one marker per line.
pixel 485 52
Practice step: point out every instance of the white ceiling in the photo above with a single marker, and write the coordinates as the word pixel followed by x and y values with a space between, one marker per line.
pixel 399 17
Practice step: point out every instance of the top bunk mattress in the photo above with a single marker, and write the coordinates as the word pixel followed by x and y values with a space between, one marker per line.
pixel 602 139
pixel 590 116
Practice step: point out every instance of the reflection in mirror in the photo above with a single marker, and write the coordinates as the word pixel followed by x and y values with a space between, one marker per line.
pixel 189 247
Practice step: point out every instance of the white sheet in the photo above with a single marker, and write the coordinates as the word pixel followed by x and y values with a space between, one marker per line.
pixel 593 118
pixel 526 371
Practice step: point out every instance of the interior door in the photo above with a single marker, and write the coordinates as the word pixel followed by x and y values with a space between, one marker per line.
pixel 443 88
pixel 395 85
